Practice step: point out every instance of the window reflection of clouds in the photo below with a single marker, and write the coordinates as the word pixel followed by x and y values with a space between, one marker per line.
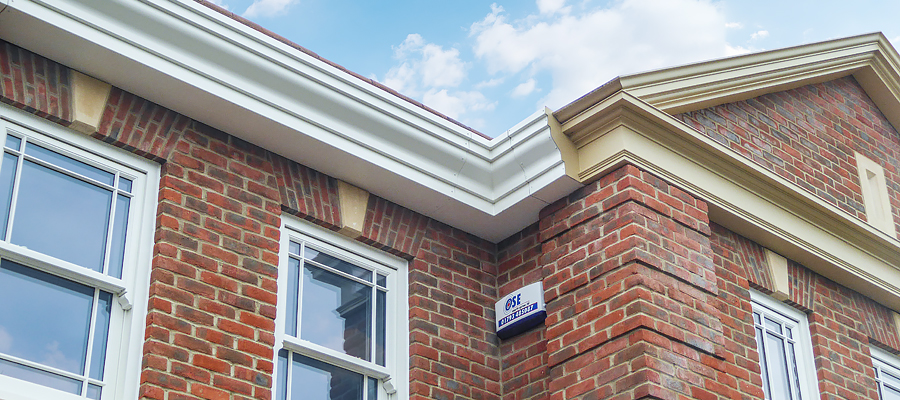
pixel 51 326
pixel 61 216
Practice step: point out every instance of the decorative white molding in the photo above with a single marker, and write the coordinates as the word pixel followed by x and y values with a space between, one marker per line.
pixel 189 58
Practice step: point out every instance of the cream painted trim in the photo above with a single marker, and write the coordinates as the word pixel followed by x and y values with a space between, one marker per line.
pixel 89 98
pixel 871 59
pixel 875 195
pixel 896 321
pixel 354 202
pixel 742 196
pixel 778 269
pixel 566 149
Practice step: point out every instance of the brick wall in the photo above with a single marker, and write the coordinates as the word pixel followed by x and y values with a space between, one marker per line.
pixel 631 290
pixel 646 298
pixel 524 357
pixel 34 83
pixel 808 136
pixel 210 323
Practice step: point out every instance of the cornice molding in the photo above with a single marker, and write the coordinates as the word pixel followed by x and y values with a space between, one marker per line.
pixel 869 58
pixel 741 195
pixel 195 61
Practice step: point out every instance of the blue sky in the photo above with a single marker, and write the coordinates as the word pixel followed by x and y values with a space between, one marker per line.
pixel 490 64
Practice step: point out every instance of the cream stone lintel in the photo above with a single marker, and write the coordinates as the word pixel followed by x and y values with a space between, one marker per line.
pixel 778 270
pixel 896 322
pixel 354 202
pixel 89 97
pixel 874 193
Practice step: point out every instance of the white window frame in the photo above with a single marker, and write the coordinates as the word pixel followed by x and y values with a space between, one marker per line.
pixel 394 376
pixel 884 361
pixel 806 366
pixel 128 313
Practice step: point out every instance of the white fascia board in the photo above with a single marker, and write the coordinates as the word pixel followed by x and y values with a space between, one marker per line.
pixel 191 59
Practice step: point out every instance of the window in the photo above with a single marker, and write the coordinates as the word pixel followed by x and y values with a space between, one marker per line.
pixel 887 374
pixel 785 350
pixel 70 225
pixel 342 321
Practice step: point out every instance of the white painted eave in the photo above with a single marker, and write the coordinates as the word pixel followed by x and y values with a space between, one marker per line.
pixel 191 59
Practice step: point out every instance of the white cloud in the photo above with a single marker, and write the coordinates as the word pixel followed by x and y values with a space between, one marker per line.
pixel 552 6
pixel 581 52
pixel 268 8
pixel 489 83
pixel 896 42
pixel 759 35
pixel 431 73
pixel 734 25
pixel 524 88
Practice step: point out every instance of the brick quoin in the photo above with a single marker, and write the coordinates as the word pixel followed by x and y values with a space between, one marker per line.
pixel 631 293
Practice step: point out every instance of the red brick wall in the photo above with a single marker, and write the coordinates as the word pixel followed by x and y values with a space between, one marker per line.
pixel 34 83
pixel 645 297
pixel 210 324
pixel 631 290
pixel 523 357
pixel 808 136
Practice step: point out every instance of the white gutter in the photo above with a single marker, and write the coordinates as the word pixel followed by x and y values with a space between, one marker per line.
pixel 193 60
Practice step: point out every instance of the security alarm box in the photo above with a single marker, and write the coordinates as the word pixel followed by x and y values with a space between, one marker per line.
pixel 520 310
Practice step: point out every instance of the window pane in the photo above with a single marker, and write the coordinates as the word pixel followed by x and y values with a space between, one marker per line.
pixel 380 334
pixel 773 326
pixel 890 379
pixel 94 392
pixel 313 379
pixel 61 216
pixel 51 328
pixel 120 228
pixel 760 347
pixel 281 390
pixel 13 142
pixel 337 312
pixel 101 332
pixel 7 174
pixel 70 164
pixel 337 264
pixel 125 184
pixel 373 389
pixel 293 296
pixel 778 370
pixel 382 280
pixel 888 393
pixel 294 248
pixel 39 377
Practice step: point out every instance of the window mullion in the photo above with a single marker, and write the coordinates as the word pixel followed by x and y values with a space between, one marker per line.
pixel 288 366
pixel 90 345
pixel 15 194
pixel 300 273
pixel 111 221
